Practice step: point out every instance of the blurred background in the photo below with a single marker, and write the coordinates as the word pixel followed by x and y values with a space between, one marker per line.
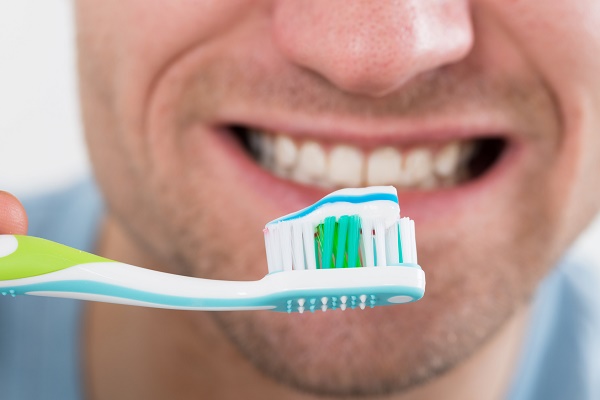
pixel 41 145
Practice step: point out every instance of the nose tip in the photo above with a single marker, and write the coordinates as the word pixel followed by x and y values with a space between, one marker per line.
pixel 372 47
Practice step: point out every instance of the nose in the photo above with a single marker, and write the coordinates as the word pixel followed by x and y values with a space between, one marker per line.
pixel 372 47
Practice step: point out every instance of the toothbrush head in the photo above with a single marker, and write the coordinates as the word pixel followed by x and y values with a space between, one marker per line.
pixel 349 250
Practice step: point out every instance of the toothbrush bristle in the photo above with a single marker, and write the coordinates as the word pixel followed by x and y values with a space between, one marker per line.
pixel 347 241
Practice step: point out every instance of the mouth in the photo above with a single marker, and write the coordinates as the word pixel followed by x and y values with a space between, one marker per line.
pixel 332 164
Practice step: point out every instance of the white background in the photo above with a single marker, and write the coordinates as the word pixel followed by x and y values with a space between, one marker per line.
pixel 40 133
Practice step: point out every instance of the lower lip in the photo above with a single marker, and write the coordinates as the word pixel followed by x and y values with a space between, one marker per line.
pixel 283 196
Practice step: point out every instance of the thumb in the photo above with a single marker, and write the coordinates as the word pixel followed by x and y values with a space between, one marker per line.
pixel 13 219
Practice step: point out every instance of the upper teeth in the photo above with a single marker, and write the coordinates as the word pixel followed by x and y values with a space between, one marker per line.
pixel 343 165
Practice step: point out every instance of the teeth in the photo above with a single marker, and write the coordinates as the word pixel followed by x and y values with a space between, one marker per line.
pixel 345 166
pixel 342 165
pixel 255 142
pixel 266 151
pixel 417 166
pixel 383 166
pixel 447 159
pixel 429 183
pixel 311 163
pixel 285 152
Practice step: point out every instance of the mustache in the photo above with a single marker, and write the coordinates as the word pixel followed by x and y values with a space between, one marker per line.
pixel 460 88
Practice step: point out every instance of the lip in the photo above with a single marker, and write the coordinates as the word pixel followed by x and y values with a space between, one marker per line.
pixel 366 132
pixel 282 196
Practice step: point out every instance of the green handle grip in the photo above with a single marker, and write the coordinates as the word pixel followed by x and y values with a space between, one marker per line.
pixel 35 256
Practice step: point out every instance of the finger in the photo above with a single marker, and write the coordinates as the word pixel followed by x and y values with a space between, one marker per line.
pixel 13 219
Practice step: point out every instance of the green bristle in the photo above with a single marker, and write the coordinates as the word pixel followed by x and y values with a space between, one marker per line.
pixel 342 232
pixel 327 256
pixel 334 243
pixel 354 241
pixel 337 243
pixel 374 252
pixel 319 235
pixel 400 259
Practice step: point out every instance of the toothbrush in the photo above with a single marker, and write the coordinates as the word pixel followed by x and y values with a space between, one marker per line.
pixel 351 249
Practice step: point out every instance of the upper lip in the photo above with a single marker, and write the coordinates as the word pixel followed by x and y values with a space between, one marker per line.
pixel 373 132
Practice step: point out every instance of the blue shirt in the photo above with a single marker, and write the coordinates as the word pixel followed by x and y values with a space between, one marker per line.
pixel 40 338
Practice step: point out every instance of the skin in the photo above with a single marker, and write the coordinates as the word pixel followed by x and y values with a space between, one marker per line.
pixel 159 81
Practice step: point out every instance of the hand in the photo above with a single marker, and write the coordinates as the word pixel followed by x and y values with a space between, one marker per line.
pixel 13 219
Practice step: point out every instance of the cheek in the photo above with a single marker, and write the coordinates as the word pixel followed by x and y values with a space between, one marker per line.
pixel 561 41
pixel 124 49
pixel 194 193
pixel 558 37
pixel 495 255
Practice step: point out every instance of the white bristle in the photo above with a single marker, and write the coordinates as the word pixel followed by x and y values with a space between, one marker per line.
pixel 277 248
pixel 405 239
pixel 285 244
pixel 391 242
pixel 367 242
pixel 273 251
pixel 268 240
pixel 308 237
pixel 407 242
pixel 297 247
pixel 414 241
pixel 379 227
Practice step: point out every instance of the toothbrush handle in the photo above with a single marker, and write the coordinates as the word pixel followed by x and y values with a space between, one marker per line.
pixel 34 266
pixel 28 256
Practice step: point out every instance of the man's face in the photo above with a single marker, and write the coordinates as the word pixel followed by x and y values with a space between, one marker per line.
pixel 207 119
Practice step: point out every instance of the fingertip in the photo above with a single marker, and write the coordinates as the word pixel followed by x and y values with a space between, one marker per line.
pixel 13 218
